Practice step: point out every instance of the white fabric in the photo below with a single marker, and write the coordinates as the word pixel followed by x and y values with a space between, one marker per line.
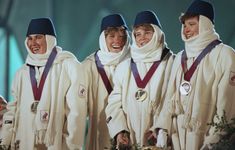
pixel 41 59
pixel 98 137
pixel 65 126
pixel 161 138
pixel 196 44
pixel 110 58
pixel 125 112
pixel 152 50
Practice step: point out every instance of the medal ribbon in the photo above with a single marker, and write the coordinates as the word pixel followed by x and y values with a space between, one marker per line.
pixel 189 73
pixel 142 83
pixel 37 91
pixel 100 68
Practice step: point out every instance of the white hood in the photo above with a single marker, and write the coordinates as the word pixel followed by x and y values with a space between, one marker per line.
pixel 196 44
pixel 109 58
pixel 152 50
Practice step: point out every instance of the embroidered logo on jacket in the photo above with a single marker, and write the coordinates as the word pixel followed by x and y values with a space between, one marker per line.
pixel 81 91
pixel 44 115
pixel 232 78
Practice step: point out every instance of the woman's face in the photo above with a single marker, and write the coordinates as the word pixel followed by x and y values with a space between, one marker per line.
pixel 143 35
pixel 191 27
pixel 115 40
pixel 37 43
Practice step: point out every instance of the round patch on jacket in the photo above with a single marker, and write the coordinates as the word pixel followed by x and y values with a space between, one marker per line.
pixel 232 78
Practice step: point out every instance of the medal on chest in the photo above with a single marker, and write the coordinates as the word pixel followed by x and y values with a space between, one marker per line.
pixel 37 90
pixel 140 95
pixel 185 88
pixel 34 106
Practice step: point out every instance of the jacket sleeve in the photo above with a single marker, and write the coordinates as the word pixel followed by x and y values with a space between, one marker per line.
pixel 76 100
pixel 225 95
pixel 8 124
pixel 164 119
pixel 10 116
pixel 115 116
pixel 164 94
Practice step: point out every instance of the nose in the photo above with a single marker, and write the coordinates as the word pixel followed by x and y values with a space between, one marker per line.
pixel 142 36
pixel 117 39
pixel 186 29
pixel 34 41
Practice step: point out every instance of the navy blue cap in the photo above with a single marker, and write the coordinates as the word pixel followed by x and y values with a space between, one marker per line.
pixel 200 7
pixel 41 26
pixel 114 20
pixel 147 17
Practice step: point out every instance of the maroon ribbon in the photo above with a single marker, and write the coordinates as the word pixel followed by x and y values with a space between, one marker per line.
pixel 37 91
pixel 189 73
pixel 100 68
pixel 142 83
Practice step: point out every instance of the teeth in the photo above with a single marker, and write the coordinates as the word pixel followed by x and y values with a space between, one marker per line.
pixel 142 44
pixel 36 49
pixel 188 36
pixel 115 46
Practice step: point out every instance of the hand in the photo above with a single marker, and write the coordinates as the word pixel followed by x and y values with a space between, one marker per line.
pixel 162 138
pixel 3 103
pixel 123 139
pixel 151 138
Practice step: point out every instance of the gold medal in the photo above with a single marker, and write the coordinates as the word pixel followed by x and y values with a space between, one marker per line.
pixel 185 88
pixel 34 106
pixel 140 95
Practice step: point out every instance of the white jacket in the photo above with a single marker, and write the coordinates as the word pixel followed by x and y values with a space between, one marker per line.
pixel 124 112
pixel 212 91
pixel 63 96
pixel 98 137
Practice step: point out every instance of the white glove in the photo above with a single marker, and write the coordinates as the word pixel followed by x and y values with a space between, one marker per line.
pixel 161 138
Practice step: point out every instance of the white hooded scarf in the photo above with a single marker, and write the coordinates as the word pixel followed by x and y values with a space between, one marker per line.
pixel 110 58
pixel 196 44
pixel 152 50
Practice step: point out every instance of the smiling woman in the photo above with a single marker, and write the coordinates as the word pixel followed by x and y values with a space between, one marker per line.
pixel 190 25
pixel 115 38
pixel 37 43
pixel 143 34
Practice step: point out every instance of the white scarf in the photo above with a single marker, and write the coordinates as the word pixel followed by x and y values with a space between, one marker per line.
pixel 152 50
pixel 109 58
pixel 206 35
pixel 41 59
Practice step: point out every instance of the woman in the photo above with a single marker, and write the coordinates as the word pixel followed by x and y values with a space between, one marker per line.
pixel 100 67
pixel 140 83
pixel 203 82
